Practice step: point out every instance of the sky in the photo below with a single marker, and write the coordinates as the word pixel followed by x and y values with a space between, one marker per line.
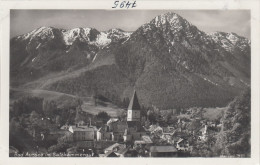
pixel 23 21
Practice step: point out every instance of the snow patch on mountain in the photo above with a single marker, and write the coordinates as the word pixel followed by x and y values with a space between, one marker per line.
pixel 229 41
pixel 206 79
pixel 38 45
pixel 102 39
pixel 42 33
pixel 94 58
pixel 33 59
pixel 244 83
pixel 71 35
pixel 171 18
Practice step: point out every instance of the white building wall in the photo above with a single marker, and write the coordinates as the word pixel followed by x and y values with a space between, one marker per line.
pixel 133 115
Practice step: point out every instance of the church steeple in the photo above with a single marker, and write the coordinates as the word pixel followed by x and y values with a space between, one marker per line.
pixel 134 104
pixel 133 112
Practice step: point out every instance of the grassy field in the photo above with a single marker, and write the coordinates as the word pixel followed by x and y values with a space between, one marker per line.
pixel 89 105
pixel 111 109
pixel 60 98
pixel 213 113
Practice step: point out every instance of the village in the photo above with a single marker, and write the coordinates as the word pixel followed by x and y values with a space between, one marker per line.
pixel 169 85
pixel 128 136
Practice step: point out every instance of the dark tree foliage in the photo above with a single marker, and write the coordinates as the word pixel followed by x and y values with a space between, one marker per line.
pixel 103 116
pixel 18 137
pixel 234 137
pixel 60 147
pixel 49 107
pixel 27 105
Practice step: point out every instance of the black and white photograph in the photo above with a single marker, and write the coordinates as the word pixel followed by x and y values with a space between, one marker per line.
pixel 130 83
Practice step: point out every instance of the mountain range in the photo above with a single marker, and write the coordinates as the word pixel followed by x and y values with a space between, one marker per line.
pixel 168 61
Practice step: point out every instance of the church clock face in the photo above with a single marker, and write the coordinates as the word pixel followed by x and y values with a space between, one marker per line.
pixel 136 114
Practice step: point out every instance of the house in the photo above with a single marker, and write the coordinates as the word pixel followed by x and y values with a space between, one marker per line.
pixel 124 152
pixel 112 120
pixel 156 129
pixel 54 134
pixel 145 140
pixel 145 143
pixel 67 137
pixel 204 133
pixel 103 134
pixel 168 130
pixel 118 128
pixel 168 138
pixel 112 131
pixel 163 151
pixel 130 130
pixel 114 148
pixel 182 145
pixel 134 132
pixel 82 132
pixel 109 154
pixel 167 134
pixel 64 127
pixel 120 150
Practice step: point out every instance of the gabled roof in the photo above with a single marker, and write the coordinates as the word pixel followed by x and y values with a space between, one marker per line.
pixel 155 128
pixel 134 104
pixel 123 150
pixel 133 124
pixel 116 145
pixel 111 120
pixel 163 149
pixel 101 129
pixel 168 129
pixel 145 140
pixel 83 128
pixel 180 140
pixel 110 154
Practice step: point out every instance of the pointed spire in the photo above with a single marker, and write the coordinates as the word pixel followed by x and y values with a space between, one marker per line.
pixel 134 104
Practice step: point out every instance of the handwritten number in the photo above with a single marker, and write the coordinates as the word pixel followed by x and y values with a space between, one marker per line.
pixel 127 4
pixel 134 4
pixel 124 4
pixel 115 3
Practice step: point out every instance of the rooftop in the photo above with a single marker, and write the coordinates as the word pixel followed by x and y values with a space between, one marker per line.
pixel 116 145
pixel 56 132
pixel 180 140
pixel 123 150
pixel 82 128
pixel 168 129
pixel 111 120
pixel 110 154
pixel 163 149
pixel 147 139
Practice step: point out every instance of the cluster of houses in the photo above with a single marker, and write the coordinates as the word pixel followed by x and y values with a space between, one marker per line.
pixel 129 135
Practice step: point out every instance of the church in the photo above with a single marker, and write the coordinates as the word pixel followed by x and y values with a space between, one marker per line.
pixel 127 131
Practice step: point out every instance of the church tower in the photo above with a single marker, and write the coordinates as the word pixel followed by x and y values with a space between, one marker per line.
pixel 134 109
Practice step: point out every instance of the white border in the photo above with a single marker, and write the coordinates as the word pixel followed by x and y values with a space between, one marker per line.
pixel 252 5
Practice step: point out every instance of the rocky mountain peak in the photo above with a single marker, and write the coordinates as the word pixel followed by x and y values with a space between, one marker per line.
pixel 41 32
pixel 172 21
pixel 168 60
pixel 171 18
pixel 230 41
